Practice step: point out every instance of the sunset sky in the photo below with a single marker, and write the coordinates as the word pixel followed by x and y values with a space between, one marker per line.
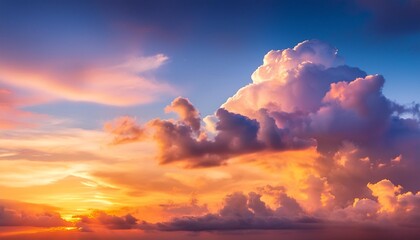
pixel 210 119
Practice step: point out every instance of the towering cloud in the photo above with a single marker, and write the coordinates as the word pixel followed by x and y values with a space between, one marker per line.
pixel 302 98
pixel 292 80
pixel 299 97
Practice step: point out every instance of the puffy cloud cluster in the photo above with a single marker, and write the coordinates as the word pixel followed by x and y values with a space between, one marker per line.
pixel 387 204
pixel 278 63
pixel 177 140
pixel 292 80
pixel 24 214
pixel 239 211
pixel 184 139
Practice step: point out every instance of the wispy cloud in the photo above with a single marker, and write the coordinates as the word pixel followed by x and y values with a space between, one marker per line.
pixel 121 84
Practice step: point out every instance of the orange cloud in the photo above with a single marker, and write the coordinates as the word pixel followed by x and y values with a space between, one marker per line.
pixel 13 213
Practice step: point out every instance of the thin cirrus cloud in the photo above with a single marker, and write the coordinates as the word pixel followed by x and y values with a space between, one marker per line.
pixel 122 84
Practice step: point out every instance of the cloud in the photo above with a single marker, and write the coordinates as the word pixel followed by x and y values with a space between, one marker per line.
pixel 386 192
pixel 292 80
pixel 121 84
pixel 178 142
pixel 300 98
pixel 109 221
pixel 391 206
pixel 278 63
pixel 240 211
pixel 12 116
pixel 184 141
pixel 351 110
pixel 312 97
pixel 124 130
pixel 184 209
pixel 13 213
pixel 186 111
pixel 304 98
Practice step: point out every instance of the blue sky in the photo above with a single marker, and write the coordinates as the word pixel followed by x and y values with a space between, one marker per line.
pixel 213 46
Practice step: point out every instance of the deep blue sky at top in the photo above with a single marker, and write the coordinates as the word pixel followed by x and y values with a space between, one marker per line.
pixel 213 46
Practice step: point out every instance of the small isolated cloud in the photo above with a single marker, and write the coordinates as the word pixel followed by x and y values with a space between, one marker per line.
pixel 124 130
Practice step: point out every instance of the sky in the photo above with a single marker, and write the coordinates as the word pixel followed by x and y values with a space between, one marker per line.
pixel 209 119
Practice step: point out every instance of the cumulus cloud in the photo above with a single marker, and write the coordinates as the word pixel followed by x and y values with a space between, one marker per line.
pixel 184 141
pixel 312 97
pixel 300 97
pixel 292 80
pixel 278 63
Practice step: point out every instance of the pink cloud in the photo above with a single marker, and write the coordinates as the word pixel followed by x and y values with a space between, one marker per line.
pixel 127 83
pixel 11 114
